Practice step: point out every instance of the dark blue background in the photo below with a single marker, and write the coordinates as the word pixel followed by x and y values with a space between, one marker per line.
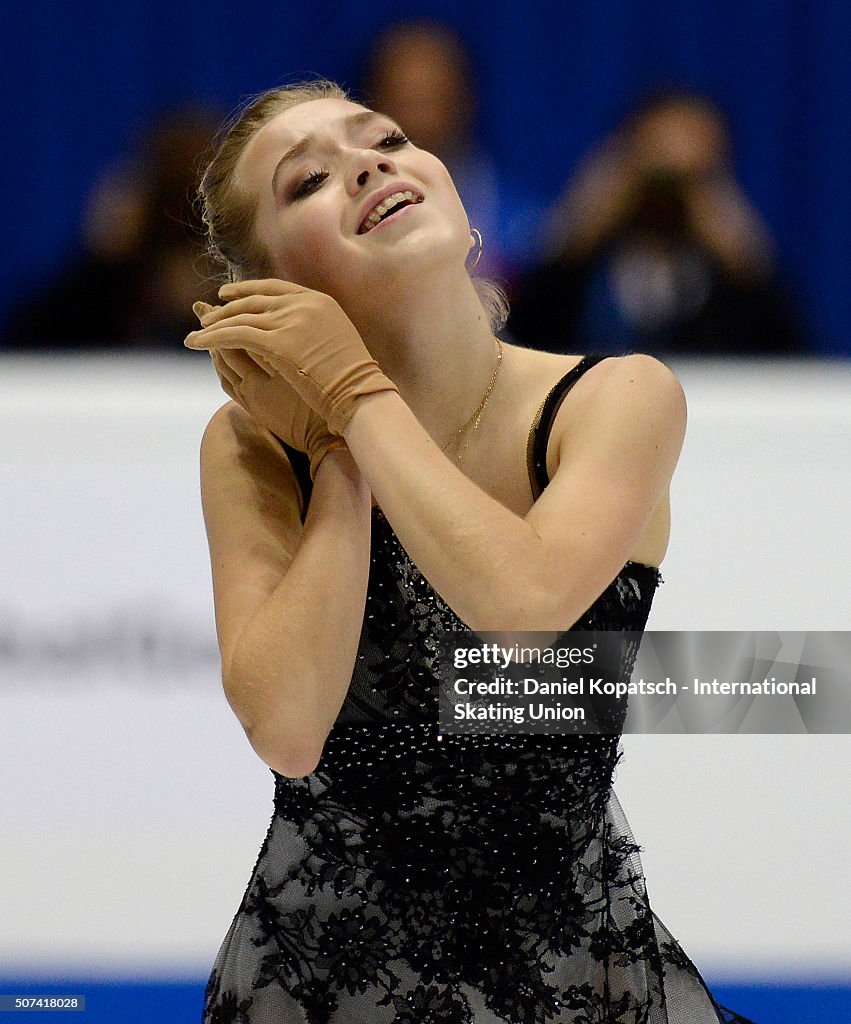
pixel 80 78
pixel 129 1002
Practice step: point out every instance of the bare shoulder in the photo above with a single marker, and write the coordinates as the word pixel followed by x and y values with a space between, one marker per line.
pixel 636 393
pixel 616 443
pixel 244 468
pixel 626 417
pixel 231 429
pixel 612 379
pixel 633 376
pixel 653 375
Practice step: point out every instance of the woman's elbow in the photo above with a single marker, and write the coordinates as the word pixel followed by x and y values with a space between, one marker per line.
pixel 290 756
pixel 279 740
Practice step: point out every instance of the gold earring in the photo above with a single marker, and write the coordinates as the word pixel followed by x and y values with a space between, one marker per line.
pixel 477 239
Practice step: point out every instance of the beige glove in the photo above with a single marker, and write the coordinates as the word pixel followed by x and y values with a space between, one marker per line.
pixel 304 336
pixel 272 403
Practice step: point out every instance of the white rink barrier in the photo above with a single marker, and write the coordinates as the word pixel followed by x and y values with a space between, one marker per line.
pixel 132 808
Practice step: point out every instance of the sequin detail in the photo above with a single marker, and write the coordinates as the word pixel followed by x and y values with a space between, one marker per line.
pixel 468 880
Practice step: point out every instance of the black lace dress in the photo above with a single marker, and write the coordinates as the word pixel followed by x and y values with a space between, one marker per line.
pixel 461 880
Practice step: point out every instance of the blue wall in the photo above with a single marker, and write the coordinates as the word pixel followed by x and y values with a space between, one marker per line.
pixel 79 78
pixel 129 1002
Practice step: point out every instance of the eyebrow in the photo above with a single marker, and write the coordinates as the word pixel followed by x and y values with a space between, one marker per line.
pixel 295 151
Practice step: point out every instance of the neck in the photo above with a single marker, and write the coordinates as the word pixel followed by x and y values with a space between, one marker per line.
pixel 436 345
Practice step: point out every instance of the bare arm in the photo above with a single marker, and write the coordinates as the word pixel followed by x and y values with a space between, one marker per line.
pixel 289 598
pixel 498 571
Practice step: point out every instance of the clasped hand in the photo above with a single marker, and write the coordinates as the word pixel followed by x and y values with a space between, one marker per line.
pixel 291 357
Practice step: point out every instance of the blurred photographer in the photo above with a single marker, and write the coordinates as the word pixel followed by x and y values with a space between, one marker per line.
pixel 655 247
pixel 140 262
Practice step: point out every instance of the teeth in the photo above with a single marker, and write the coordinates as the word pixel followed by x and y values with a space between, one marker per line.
pixel 388 204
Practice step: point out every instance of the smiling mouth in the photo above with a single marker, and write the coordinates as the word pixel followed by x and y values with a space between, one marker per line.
pixel 387 207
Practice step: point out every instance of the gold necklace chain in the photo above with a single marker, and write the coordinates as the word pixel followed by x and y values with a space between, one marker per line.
pixel 474 420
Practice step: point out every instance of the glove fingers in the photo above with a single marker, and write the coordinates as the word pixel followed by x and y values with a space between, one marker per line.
pixel 229 334
pixel 245 364
pixel 302 338
pixel 227 378
pixel 268 286
pixel 247 304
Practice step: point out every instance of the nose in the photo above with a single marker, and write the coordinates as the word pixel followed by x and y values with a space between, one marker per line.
pixel 366 164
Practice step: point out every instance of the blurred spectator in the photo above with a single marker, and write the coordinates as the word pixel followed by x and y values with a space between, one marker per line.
pixel 655 248
pixel 142 262
pixel 420 74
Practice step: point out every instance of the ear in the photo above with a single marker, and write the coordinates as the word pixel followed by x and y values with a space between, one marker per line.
pixel 475 241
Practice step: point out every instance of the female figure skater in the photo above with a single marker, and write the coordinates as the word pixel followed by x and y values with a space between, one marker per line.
pixel 447 485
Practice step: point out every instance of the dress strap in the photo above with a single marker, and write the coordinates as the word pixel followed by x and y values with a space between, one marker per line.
pixel 536 449
pixel 539 435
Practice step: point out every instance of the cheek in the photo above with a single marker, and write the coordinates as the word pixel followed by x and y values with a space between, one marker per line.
pixel 457 220
pixel 306 250
pixel 443 180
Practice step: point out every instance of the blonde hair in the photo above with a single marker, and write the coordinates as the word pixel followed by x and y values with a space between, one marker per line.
pixel 228 212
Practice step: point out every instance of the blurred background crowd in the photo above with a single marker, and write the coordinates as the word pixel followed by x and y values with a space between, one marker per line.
pixel 643 191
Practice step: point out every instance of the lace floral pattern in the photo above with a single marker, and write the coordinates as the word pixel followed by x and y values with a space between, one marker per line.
pixel 467 880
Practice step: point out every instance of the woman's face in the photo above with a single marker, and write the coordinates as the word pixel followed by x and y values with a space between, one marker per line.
pixel 346 203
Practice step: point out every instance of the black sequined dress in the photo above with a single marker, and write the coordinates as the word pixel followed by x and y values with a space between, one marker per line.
pixel 466 880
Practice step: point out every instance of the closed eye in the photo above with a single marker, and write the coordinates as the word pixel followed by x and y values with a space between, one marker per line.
pixel 392 139
pixel 310 183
